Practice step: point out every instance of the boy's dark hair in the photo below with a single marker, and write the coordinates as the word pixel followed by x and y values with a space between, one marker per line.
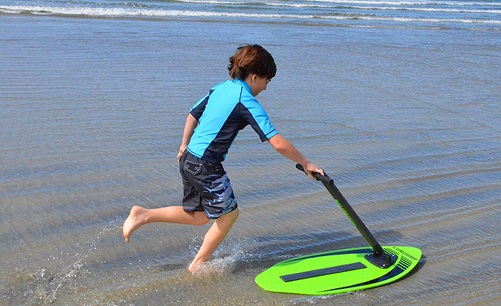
pixel 252 59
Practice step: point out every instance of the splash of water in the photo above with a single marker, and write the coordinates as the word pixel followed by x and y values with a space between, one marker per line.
pixel 44 286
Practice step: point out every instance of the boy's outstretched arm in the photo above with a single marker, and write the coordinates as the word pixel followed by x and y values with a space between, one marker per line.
pixel 284 147
pixel 189 128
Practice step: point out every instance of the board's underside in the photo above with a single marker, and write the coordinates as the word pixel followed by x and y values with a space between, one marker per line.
pixel 337 271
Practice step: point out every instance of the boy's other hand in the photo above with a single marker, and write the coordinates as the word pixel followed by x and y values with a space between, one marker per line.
pixel 181 151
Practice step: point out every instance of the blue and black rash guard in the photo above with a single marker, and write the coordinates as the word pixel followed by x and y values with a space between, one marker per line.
pixel 227 109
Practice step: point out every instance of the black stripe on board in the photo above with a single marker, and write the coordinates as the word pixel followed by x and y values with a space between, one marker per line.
pixel 322 272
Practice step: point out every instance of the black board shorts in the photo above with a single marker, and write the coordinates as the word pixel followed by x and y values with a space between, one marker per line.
pixel 206 187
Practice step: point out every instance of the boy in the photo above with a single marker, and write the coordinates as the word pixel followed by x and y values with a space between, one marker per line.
pixel 211 127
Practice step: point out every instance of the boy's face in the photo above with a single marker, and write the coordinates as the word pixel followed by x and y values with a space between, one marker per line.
pixel 258 84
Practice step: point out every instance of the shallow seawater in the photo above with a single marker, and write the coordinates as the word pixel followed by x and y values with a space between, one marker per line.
pixel 406 121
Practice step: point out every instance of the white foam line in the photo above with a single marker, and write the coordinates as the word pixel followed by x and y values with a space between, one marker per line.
pixel 389 8
pixel 344 2
pixel 432 10
pixel 413 3
pixel 120 12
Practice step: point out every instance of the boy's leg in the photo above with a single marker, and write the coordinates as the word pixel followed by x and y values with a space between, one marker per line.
pixel 173 214
pixel 213 238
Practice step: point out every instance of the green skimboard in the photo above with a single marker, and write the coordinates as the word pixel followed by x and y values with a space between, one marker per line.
pixel 341 270
pixel 337 271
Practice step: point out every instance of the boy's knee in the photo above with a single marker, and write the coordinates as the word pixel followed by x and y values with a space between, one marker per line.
pixel 199 218
pixel 235 213
pixel 202 220
pixel 230 217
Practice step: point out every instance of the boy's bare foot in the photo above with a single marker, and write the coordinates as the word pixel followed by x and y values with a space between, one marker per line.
pixel 195 266
pixel 133 222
